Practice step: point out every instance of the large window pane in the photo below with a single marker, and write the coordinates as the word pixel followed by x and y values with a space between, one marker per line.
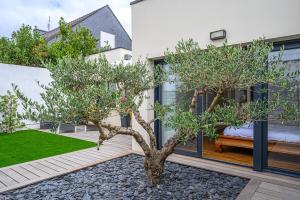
pixel 284 138
pixel 234 144
pixel 171 95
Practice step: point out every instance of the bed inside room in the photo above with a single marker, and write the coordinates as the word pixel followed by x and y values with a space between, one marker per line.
pixel 235 144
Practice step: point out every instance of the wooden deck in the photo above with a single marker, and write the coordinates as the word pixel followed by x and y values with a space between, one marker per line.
pixel 19 175
pixel 262 186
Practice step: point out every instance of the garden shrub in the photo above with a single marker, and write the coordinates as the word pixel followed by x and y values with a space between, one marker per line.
pixel 10 119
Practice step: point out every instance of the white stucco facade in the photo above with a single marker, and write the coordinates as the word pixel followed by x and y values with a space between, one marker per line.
pixel 159 24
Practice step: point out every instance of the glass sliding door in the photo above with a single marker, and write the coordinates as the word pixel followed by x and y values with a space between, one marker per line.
pixel 234 144
pixel 284 135
pixel 170 95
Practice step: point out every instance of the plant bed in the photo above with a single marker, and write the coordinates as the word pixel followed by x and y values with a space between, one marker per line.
pixel 124 178
pixel 28 145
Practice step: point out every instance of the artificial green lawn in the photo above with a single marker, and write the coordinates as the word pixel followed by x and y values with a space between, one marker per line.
pixel 27 145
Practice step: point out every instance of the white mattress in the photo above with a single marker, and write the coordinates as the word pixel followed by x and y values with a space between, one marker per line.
pixel 275 132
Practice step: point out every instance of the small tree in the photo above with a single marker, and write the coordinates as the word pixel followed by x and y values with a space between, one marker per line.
pixel 72 43
pixel 26 47
pixel 90 90
pixel 10 119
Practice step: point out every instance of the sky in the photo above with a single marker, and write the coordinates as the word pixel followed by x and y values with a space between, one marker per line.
pixel 14 13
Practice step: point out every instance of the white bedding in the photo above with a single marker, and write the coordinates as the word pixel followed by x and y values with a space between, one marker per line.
pixel 275 132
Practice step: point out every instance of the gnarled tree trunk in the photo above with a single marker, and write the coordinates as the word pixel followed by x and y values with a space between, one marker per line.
pixel 154 167
pixel 154 162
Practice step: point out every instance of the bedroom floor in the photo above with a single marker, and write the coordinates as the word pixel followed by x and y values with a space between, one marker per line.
pixel 244 156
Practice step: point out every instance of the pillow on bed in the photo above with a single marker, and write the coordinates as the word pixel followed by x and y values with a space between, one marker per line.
pixel 247 125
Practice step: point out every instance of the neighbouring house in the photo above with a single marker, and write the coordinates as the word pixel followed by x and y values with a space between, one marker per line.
pixel 104 26
pixel 158 25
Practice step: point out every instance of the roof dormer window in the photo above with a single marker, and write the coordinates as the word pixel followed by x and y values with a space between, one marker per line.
pixel 107 40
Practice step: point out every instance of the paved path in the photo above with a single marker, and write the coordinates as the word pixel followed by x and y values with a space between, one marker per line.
pixel 16 176
pixel 119 140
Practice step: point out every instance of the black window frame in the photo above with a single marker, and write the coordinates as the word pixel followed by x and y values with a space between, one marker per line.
pixel 262 127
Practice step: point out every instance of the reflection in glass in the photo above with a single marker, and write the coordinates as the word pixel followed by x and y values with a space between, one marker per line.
pixel 284 138
pixel 171 95
pixel 234 144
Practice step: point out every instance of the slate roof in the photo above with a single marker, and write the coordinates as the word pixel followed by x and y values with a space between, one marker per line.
pixel 55 32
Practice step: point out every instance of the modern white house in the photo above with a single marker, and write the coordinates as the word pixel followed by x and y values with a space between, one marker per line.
pixel 160 24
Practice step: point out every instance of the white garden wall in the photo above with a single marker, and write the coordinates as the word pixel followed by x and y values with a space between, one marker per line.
pixel 26 79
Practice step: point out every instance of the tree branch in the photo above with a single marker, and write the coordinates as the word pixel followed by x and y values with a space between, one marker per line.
pixel 115 130
pixel 102 135
pixel 193 104
pixel 169 146
pixel 215 100
pixel 147 127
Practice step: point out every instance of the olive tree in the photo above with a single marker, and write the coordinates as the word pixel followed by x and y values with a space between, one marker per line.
pixel 88 91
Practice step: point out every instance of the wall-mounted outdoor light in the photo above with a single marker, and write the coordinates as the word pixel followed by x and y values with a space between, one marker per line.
pixel 217 35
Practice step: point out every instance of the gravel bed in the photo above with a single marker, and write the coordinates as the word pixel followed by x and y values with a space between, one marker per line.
pixel 124 178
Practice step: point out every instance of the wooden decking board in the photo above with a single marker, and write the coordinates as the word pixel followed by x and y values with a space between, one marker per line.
pixel 119 146
pixel 2 186
pixel 67 161
pixel 100 153
pixel 97 157
pixel 112 150
pixel 14 175
pixel 104 152
pixel 15 169
pixel 44 168
pixel 74 159
pixel 97 152
pixel 52 165
pixel 88 156
pixel 6 180
pixel 35 170
pixel 279 194
pixel 249 190
pixel 82 158
pixel 28 174
pixel 260 196
pixel 59 164
pixel 278 187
